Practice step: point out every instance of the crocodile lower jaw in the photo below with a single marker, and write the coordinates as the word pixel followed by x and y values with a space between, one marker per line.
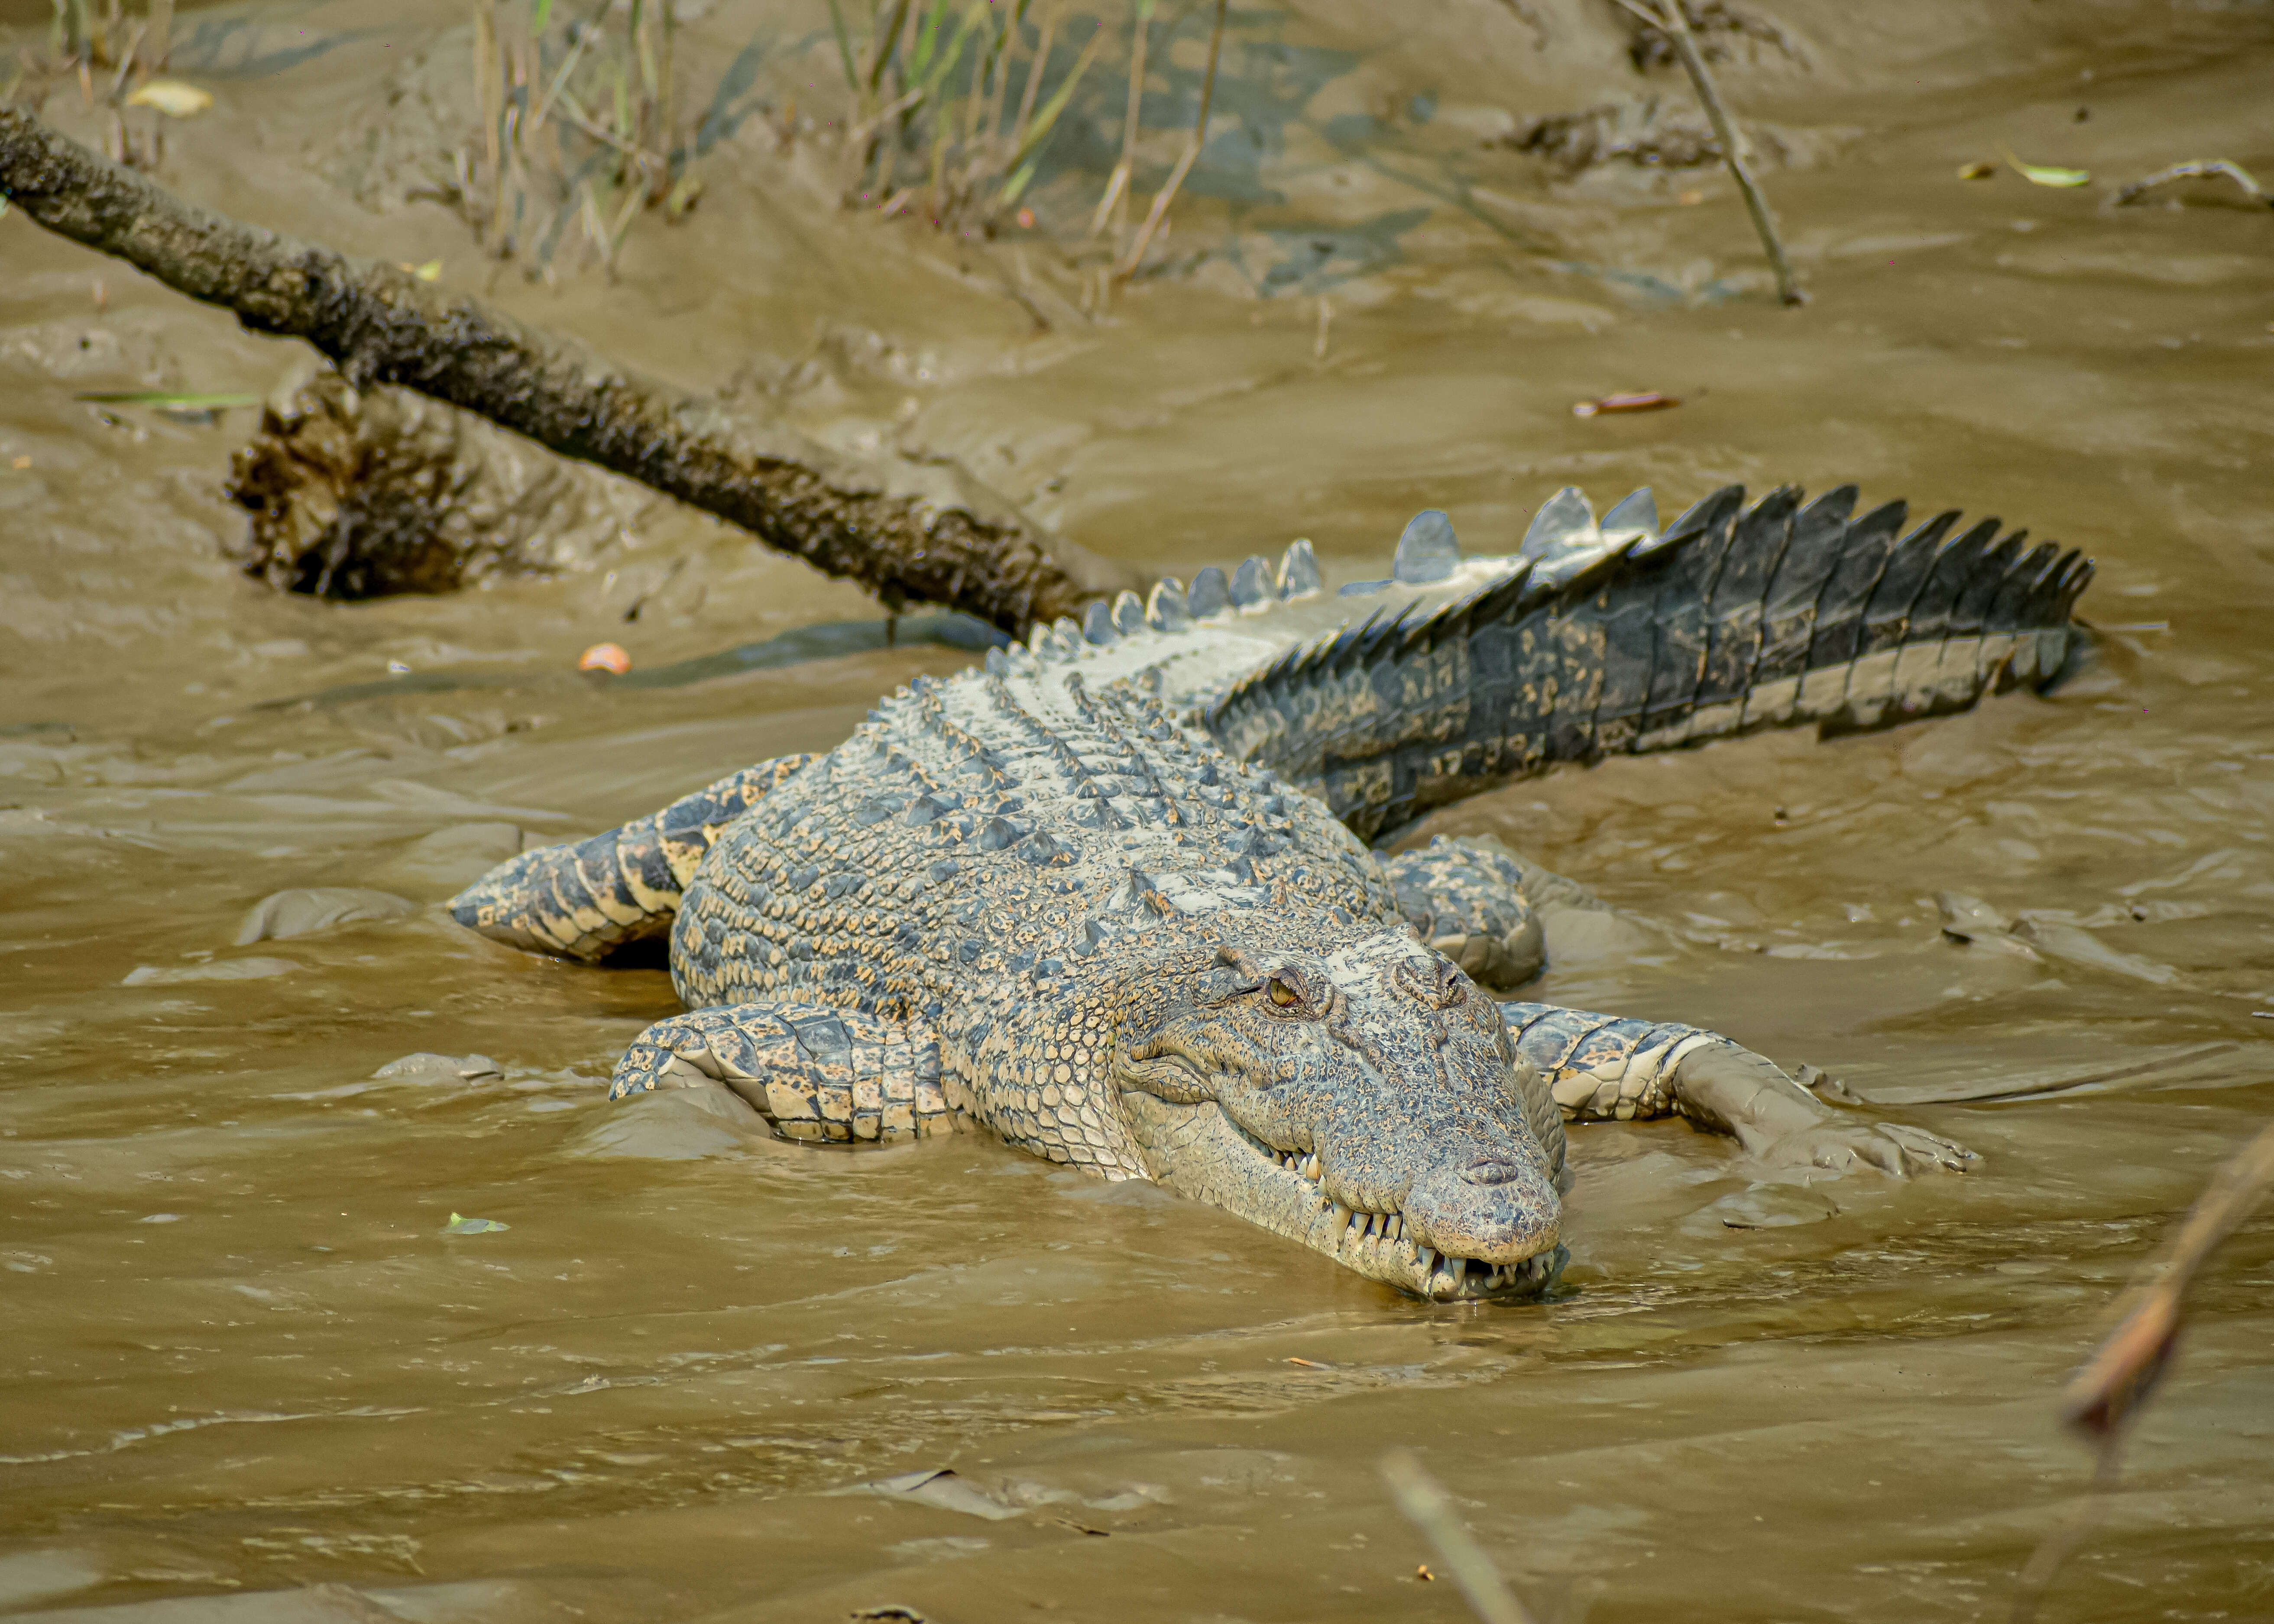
pixel 1374 1245
pixel 1199 1151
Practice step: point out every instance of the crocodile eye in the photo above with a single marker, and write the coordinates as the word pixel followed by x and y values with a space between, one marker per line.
pixel 1285 997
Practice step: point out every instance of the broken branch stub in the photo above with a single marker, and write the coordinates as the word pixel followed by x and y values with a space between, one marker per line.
pixel 910 531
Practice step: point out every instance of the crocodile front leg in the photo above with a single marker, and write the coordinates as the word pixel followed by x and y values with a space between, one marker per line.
pixel 1602 1067
pixel 812 1071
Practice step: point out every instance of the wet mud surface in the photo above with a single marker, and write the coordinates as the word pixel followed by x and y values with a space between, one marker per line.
pixel 243 1356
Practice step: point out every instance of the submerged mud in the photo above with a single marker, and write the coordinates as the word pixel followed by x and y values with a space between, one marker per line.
pixel 701 1374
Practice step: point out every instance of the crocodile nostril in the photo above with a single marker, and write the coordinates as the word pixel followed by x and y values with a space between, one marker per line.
pixel 1490 1170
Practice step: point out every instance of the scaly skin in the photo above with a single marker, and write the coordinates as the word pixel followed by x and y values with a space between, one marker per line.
pixel 1068 898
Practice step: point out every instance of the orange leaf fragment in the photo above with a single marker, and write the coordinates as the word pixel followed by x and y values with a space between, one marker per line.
pixel 605 656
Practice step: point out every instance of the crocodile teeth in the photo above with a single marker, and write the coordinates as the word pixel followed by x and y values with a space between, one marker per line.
pixel 1311 1168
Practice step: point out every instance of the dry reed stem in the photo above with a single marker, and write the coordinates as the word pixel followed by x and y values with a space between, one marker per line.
pixel 1116 186
pixel 1671 20
pixel 1429 1508
pixel 1185 160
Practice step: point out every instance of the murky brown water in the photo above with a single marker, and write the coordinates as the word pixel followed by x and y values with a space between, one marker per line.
pixel 242 1357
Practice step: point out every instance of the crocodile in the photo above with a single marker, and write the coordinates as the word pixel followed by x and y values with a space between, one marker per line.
pixel 1122 896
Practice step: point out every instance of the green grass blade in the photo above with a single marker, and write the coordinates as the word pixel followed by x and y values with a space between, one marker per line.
pixel 844 46
pixel 1048 114
pixel 927 36
pixel 168 399
pixel 887 42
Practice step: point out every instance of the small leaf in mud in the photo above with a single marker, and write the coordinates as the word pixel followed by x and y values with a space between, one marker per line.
pixel 606 657
pixel 2048 175
pixel 172 97
pixel 168 400
pixel 1977 170
pixel 431 271
pixel 1310 1363
pixel 1640 400
pixel 472 1226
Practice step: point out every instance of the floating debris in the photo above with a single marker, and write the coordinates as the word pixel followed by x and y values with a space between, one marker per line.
pixel 459 1225
pixel 606 657
pixel 190 407
pixel 1977 170
pixel 172 97
pixel 2048 175
pixel 1641 400
pixel 2218 168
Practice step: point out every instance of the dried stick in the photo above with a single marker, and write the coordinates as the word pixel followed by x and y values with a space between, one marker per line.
pixel 2210 169
pixel 1670 19
pixel 907 530
pixel 1429 1508
pixel 1117 186
pixel 1168 193
pixel 2112 1386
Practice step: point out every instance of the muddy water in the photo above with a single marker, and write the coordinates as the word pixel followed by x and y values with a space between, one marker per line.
pixel 241 1356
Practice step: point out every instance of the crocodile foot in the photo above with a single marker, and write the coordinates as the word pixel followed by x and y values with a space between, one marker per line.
pixel 1891 1147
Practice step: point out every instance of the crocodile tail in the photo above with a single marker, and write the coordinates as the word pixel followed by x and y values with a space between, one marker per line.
pixel 588 898
pixel 1735 619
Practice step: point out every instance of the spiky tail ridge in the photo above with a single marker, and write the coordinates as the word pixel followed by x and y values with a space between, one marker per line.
pixel 1735 619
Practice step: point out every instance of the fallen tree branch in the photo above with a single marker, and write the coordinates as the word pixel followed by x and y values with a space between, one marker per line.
pixel 922 532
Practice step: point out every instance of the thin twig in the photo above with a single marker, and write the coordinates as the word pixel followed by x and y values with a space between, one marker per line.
pixel 2112 1386
pixel 1034 76
pixel 2211 169
pixel 1670 20
pixel 1429 1508
pixel 2062 1539
pixel 1116 186
pixel 2103 1394
pixel 1168 193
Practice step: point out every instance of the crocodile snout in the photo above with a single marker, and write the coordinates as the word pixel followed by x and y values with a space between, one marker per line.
pixel 1497 1209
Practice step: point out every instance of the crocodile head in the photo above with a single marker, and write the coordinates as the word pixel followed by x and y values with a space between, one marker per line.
pixel 1367 1102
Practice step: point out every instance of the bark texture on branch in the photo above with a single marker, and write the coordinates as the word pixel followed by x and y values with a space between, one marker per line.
pixel 915 532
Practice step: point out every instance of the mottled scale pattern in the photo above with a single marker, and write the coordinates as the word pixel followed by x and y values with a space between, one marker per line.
pixel 1472 901
pixel 974 847
pixel 1604 1068
pixel 586 899
pixel 955 916
pixel 811 1070
pixel 1736 618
